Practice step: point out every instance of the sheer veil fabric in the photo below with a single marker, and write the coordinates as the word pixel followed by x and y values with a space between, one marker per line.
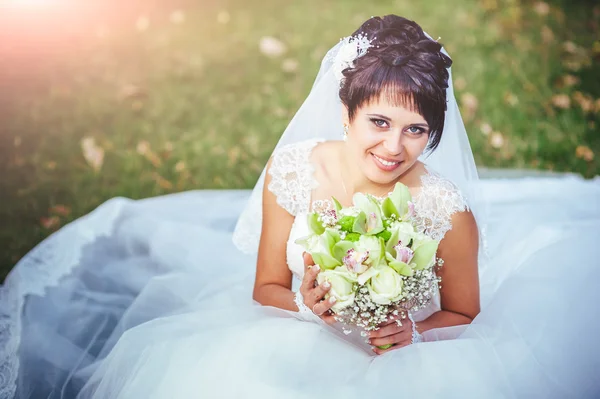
pixel 153 299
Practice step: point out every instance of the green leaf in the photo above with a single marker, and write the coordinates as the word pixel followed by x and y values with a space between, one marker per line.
pixel 340 250
pixel 314 224
pixel 353 237
pixel 385 235
pixel 326 261
pixel 346 223
pixel 385 346
pixel 425 254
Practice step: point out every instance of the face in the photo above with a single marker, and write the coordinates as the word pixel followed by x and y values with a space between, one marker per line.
pixel 386 140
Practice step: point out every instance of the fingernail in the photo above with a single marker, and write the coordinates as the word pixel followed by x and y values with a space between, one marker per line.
pixel 332 299
pixel 326 284
pixel 317 267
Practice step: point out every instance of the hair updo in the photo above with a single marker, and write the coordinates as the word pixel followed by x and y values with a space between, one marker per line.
pixel 404 65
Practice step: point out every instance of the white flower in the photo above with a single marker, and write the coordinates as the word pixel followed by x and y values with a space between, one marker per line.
pixel 345 57
pixel 386 286
pixel 350 49
pixel 342 286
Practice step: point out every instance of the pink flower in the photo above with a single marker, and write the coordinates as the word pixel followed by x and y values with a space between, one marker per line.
pixel 403 254
pixel 354 261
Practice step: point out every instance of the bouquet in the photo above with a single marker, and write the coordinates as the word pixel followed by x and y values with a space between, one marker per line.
pixel 377 262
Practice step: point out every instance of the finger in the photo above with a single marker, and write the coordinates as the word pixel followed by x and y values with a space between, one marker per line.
pixel 388 330
pixel 317 293
pixel 308 260
pixel 394 319
pixel 310 276
pixel 390 339
pixel 323 306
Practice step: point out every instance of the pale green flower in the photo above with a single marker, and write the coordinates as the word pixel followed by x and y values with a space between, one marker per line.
pixel 321 248
pixel 369 221
pixel 398 202
pixel 425 249
pixel 402 233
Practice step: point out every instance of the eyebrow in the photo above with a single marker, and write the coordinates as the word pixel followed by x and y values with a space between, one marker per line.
pixel 385 118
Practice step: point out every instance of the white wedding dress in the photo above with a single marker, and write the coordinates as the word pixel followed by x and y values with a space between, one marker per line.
pixel 151 299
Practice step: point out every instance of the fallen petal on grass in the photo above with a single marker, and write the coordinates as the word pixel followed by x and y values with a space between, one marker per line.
pixel 561 101
pixel 584 152
pixel 50 223
pixel 92 153
pixel 272 47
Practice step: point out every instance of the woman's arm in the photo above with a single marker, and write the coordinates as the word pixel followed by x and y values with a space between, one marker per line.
pixel 273 283
pixel 460 278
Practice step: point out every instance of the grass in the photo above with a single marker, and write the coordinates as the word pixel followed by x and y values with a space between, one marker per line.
pixel 194 104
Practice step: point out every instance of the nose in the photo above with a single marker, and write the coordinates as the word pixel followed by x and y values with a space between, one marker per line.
pixel 393 144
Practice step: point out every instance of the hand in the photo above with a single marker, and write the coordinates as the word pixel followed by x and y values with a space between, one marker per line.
pixel 391 333
pixel 313 295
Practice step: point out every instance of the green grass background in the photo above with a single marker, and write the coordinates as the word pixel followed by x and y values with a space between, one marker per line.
pixel 193 103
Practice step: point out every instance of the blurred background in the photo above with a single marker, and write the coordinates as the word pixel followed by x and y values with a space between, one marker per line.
pixel 137 98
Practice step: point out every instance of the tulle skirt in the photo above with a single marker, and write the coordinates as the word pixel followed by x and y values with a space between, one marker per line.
pixel 150 299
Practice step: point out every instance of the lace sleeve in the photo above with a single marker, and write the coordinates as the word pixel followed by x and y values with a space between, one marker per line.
pixel 438 200
pixel 292 178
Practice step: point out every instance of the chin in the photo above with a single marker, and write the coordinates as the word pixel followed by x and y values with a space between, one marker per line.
pixel 378 176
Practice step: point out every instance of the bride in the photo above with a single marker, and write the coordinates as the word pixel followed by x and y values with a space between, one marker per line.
pixel 151 299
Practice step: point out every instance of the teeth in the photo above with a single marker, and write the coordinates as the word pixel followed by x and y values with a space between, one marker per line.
pixel 386 163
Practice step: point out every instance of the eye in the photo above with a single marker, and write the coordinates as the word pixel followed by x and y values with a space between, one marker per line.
pixel 380 123
pixel 415 130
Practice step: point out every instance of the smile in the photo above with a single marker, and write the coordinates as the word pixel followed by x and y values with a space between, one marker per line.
pixel 385 164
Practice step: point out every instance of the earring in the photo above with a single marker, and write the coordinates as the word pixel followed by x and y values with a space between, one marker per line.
pixel 345 136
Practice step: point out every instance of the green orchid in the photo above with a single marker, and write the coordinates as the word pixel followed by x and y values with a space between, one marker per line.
pixel 369 220
pixel 321 248
pixel 402 268
pixel 314 224
pixel 425 250
pixel 402 232
pixel 398 202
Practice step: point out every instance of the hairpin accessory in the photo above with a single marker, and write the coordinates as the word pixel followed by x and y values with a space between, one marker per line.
pixel 352 48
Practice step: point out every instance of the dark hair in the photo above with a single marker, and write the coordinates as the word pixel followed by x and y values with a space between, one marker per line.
pixel 403 64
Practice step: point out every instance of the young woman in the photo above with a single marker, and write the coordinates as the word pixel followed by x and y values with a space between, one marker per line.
pixel 151 299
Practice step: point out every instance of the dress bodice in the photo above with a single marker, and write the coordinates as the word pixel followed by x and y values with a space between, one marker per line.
pixel 292 182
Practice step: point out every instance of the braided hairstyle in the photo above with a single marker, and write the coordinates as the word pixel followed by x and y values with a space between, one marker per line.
pixel 404 65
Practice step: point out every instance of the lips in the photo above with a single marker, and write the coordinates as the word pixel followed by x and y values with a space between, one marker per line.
pixel 385 163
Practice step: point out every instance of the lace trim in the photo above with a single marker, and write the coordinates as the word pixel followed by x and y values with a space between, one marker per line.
pixel 304 313
pixel 292 176
pixel 435 204
pixel 40 269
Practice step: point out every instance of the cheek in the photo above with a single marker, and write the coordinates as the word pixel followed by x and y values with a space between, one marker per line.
pixel 416 147
pixel 365 137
